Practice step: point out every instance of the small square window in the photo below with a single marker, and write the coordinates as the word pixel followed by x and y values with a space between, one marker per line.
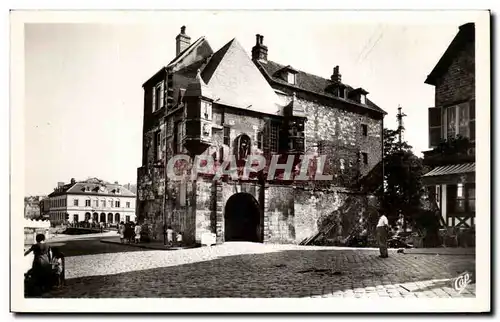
pixel 364 157
pixel 206 110
pixel 364 129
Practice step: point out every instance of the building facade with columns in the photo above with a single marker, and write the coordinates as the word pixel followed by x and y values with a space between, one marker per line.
pixel 93 201
pixel 228 103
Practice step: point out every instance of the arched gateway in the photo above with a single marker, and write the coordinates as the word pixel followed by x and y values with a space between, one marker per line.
pixel 242 218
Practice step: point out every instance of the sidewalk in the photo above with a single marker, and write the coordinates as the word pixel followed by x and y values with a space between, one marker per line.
pixel 156 244
pixel 442 251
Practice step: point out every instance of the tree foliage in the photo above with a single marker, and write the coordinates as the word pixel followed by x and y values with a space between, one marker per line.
pixel 402 178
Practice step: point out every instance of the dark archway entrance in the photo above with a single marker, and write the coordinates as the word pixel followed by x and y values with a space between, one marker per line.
pixel 242 218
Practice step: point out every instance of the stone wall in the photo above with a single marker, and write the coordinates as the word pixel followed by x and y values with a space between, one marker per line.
pixel 204 208
pixel 343 129
pixel 457 83
pixel 279 215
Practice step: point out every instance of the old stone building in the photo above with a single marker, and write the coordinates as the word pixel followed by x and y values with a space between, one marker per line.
pixel 452 132
pixel 226 103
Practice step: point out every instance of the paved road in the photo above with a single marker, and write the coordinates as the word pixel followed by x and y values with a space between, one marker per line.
pixel 256 270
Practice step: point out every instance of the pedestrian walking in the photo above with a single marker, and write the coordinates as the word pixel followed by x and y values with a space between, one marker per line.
pixel 129 232
pixel 382 232
pixel 101 227
pixel 179 239
pixel 42 267
pixel 170 235
pixel 137 231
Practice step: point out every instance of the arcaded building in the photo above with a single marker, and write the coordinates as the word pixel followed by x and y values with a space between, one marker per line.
pixel 227 103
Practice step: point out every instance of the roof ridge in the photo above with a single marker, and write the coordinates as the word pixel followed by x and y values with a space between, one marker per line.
pixel 214 61
pixel 317 84
pixel 182 53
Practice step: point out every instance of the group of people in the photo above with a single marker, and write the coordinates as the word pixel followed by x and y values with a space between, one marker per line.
pixel 47 270
pixel 129 232
pixel 168 236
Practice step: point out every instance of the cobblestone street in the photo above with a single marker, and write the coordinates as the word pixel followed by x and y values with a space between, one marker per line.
pixel 257 270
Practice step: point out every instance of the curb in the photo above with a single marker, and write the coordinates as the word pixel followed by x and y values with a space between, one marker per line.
pixel 143 246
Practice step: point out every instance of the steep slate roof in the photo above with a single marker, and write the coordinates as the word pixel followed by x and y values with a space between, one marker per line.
pixel 466 34
pixel 310 83
pixel 78 188
pixel 186 51
pixel 235 81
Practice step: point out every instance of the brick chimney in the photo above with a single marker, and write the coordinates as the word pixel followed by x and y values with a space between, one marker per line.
pixel 60 184
pixel 259 51
pixel 336 77
pixel 182 41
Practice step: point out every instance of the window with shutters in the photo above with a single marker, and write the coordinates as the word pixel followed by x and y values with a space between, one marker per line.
pixel 87 203
pixel 206 108
pixel 158 96
pixel 458 121
pixel 435 126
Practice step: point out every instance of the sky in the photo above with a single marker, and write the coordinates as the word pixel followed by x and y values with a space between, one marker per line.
pixel 83 104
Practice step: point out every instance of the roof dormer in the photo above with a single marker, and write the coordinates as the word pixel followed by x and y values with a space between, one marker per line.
pixel 288 74
pixel 358 95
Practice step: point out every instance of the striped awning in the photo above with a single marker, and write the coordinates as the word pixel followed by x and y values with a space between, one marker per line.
pixel 452 169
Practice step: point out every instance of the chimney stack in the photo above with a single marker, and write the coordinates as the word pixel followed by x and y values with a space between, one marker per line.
pixel 336 77
pixel 60 184
pixel 182 41
pixel 73 181
pixel 259 51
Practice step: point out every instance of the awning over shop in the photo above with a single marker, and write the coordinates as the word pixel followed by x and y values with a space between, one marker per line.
pixel 452 169
pixel 451 174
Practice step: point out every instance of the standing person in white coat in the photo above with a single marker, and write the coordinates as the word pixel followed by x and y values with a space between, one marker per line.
pixel 382 232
